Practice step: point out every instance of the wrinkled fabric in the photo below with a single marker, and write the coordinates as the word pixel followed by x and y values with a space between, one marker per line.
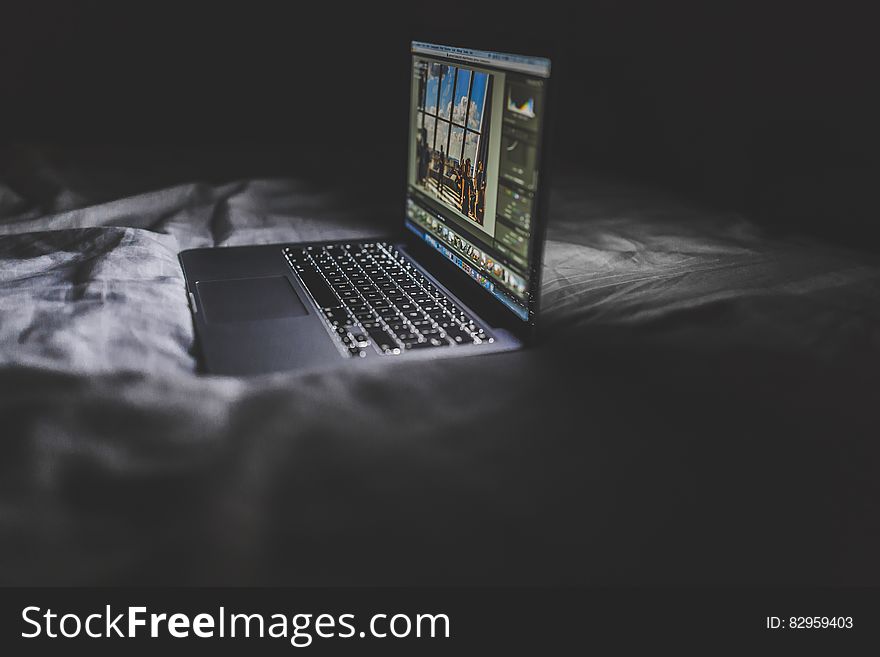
pixel 695 376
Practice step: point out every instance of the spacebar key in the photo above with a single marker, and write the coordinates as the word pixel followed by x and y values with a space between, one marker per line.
pixel 315 284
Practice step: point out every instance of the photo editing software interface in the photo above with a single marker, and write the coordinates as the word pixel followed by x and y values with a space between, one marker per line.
pixel 472 176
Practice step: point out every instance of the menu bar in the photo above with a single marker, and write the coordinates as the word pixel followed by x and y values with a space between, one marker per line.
pixel 531 65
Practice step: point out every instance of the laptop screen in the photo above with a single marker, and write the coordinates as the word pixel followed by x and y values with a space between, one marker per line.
pixel 476 120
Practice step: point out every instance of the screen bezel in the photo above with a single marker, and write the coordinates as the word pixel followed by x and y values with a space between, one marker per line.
pixel 462 285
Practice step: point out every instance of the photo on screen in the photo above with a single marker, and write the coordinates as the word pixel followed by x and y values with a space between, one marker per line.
pixel 450 139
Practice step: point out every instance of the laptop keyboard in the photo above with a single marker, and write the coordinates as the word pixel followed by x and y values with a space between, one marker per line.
pixel 373 297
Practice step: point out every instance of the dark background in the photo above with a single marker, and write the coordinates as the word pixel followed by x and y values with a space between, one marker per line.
pixel 765 108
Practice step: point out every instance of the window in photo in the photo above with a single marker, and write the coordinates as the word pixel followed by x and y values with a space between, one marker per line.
pixel 452 137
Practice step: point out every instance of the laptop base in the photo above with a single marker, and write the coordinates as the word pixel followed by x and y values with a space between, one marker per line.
pixel 252 315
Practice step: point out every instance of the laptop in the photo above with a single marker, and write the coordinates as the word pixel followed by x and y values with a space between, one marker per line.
pixel 461 278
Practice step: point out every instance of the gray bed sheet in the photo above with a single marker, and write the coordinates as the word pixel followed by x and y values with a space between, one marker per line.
pixel 701 411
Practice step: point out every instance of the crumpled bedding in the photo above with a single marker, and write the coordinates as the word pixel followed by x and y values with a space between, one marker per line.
pixel 700 410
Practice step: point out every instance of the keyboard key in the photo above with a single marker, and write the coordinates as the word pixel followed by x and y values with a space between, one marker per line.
pixel 471 326
pixel 320 291
pixel 458 335
pixel 342 331
pixel 433 334
pixel 381 339
pixel 338 317
pixel 360 338
pixel 425 345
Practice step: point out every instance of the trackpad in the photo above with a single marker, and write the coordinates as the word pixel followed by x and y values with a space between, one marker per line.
pixel 249 299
